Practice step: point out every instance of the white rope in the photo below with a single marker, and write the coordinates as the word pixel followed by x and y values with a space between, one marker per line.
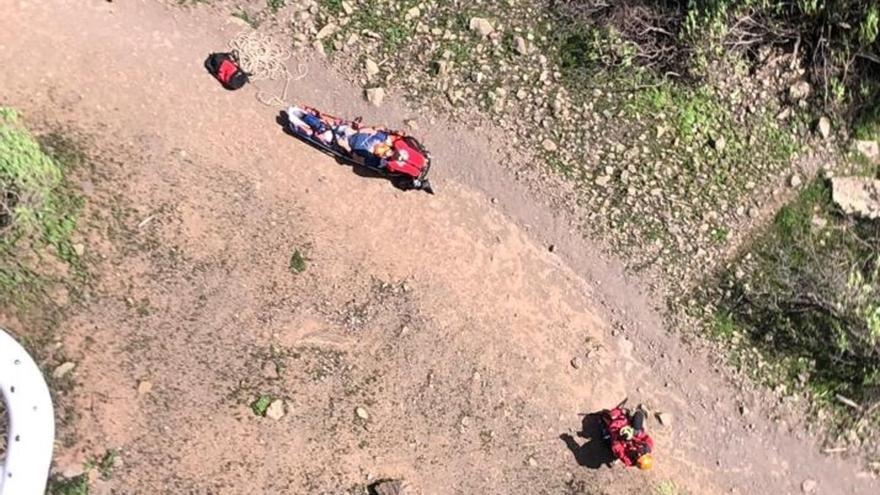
pixel 264 59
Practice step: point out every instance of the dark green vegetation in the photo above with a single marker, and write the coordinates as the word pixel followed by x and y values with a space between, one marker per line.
pixel 297 262
pixel 807 295
pixel 836 41
pixel 38 212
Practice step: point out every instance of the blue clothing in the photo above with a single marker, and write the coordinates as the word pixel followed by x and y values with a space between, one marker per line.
pixel 365 142
pixel 314 122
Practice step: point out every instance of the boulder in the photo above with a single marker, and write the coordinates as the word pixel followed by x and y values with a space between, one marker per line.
pixel 857 196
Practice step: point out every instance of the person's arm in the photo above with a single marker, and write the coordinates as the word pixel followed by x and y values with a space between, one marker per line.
pixel 619 450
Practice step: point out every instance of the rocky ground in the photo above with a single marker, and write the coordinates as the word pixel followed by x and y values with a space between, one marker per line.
pixel 675 173
pixel 456 363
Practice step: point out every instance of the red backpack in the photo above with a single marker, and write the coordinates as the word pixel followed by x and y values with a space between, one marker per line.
pixel 225 67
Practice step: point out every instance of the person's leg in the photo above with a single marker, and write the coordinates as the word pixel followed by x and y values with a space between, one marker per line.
pixel 638 420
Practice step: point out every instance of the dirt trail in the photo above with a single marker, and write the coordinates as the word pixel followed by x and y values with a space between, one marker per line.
pixel 445 317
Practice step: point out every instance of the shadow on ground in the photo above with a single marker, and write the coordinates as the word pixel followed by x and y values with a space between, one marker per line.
pixel 594 452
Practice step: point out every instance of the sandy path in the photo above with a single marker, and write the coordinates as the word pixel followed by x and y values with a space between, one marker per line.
pixel 465 372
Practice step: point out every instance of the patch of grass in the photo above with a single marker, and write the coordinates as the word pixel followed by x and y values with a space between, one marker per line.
pixel 867 124
pixel 297 262
pixel 723 325
pixel 261 404
pixel 332 6
pixel 78 485
pixel 106 463
pixel 275 5
pixel 247 17
pixel 38 209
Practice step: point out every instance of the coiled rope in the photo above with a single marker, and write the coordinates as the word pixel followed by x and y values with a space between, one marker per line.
pixel 264 59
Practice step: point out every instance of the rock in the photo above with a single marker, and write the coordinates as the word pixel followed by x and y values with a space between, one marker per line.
pixel 603 180
pixel 533 462
pixel 412 124
pixel 799 90
pixel 371 67
pixel 809 486
pixel 275 410
pixel 362 413
pixel 520 45
pixel 79 249
pixel 824 127
pixel 328 30
pixel 444 67
pixel 412 13
pixel 63 369
pixel 144 387
pixel 270 370
pixel 857 196
pixel 869 149
pixel 795 181
pixel 481 26
pixel 551 248
pixel 665 418
pixel 522 94
pixel 819 222
pixel 576 362
pixel 390 487
pixel 376 96
pixel 347 7
pixel 549 145
pixel 720 143
pixel 319 47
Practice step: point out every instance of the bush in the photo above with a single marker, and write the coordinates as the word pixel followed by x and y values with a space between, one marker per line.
pixel 811 296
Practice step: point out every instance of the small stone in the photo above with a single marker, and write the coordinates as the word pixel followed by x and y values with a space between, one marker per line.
pixel 720 143
pixel 549 145
pixel 362 413
pixel 144 387
pixel 824 127
pixel 371 67
pixel 79 249
pixel 809 486
pixel 326 31
pixel 521 46
pixel 522 94
pixel 799 90
pixel 743 410
pixel 412 124
pixel 376 96
pixel 551 248
pixel 664 418
pixel 63 369
pixel 795 181
pixel 576 362
pixel 533 462
pixel 319 47
pixel 275 410
pixel 494 201
pixel 465 421
pixel 603 180
pixel 390 487
pixel 481 26
pixel 347 7
pixel 443 68
pixel 412 13
pixel 870 149
pixel 270 370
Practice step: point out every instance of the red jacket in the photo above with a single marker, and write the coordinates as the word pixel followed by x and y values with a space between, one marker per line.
pixel 628 451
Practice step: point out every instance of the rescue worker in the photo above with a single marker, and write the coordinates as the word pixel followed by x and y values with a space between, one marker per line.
pixel 629 441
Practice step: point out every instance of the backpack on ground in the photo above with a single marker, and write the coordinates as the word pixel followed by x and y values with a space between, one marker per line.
pixel 226 68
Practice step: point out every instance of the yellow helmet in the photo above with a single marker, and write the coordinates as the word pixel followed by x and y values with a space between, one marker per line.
pixel 382 150
pixel 645 462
